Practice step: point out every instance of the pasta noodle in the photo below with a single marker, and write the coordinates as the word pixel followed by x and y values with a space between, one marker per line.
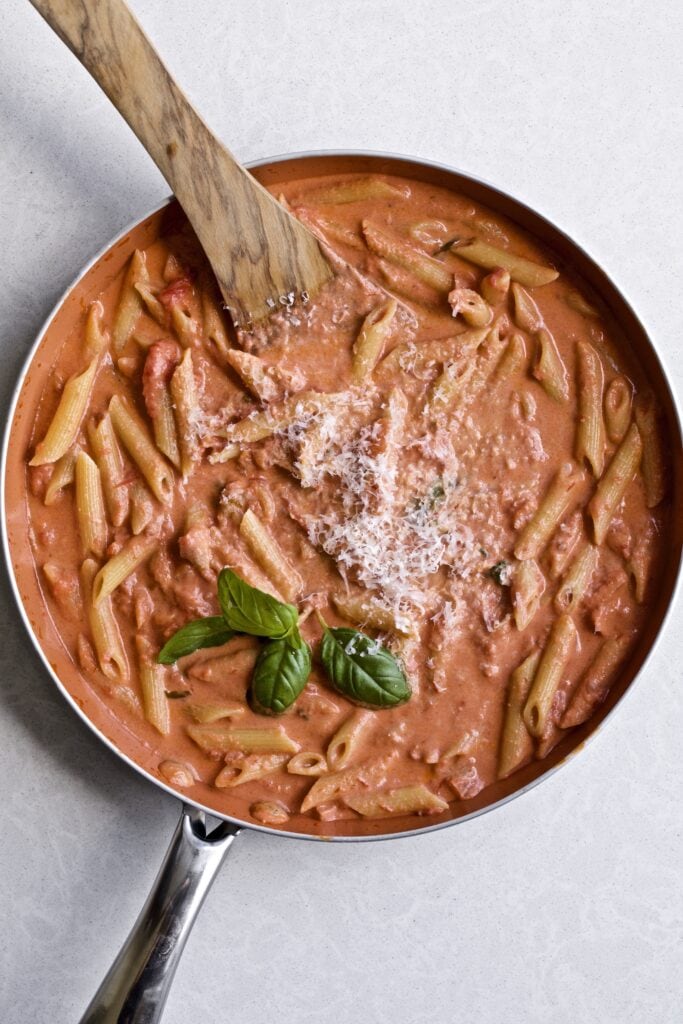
pixel 522 270
pixel 590 432
pixel 96 338
pixel 366 612
pixel 135 438
pixel 612 486
pixel 618 399
pixel 369 345
pixel 548 367
pixel 154 699
pixel 251 767
pixel 62 475
pixel 528 587
pixel 106 634
pixel 425 268
pixel 307 762
pixel 516 744
pixel 577 580
pixel 270 556
pixel 596 682
pixel 553 661
pixel 120 566
pixel 92 521
pixel 247 741
pixel 652 464
pixel 345 742
pixel 63 429
pixel 130 304
pixel 112 469
pixel 562 494
pixel 525 311
pixel 416 799
pixel 186 403
pixel 354 191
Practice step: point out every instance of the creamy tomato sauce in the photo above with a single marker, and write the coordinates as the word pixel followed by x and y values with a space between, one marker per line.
pixel 404 493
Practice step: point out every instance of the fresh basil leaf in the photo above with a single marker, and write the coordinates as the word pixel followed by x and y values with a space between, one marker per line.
pixel 210 632
pixel 363 670
pixel 280 675
pixel 249 610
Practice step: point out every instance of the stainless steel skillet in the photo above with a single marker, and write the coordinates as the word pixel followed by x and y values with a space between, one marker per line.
pixel 137 986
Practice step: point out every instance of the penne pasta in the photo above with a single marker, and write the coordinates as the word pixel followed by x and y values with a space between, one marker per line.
pixel 612 486
pixel 471 306
pixel 369 345
pixel 134 436
pixel 247 741
pixel 337 232
pixel 548 368
pixel 109 458
pixel 575 300
pixel 338 784
pixel 394 249
pixel 111 653
pixel 527 589
pixel 164 425
pixel 130 304
pixel 516 744
pixel 186 405
pixel 141 507
pixel 652 462
pixel 270 556
pixel 154 700
pixel 355 191
pixel 513 362
pixel 562 495
pixel 590 430
pixel 347 739
pixel 407 287
pixel 208 713
pixel 264 424
pixel 495 286
pixel 92 522
pixel 214 325
pixel 96 338
pixel 133 554
pixel 417 799
pixel 596 681
pixel 639 566
pixel 366 612
pixel 526 313
pixel 524 271
pixel 62 476
pixel 559 647
pixel 265 382
pixel 63 429
pixel 578 578
pixel 307 762
pixel 251 767
pixel 155 308
pixel 618 400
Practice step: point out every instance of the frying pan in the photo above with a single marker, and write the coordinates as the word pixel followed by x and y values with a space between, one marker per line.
pixel 135 989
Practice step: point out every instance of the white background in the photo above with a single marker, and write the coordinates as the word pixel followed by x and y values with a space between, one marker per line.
pixel 564 905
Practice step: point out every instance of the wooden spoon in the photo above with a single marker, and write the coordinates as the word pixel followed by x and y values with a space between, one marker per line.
pixel 260 254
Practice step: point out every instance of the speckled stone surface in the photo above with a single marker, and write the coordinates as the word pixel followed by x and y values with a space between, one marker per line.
pixel 565 905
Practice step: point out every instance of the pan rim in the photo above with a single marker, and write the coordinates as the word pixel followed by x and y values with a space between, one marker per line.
pixel 255 827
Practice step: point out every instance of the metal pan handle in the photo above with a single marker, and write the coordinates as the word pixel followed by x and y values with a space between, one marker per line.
pixel 137 986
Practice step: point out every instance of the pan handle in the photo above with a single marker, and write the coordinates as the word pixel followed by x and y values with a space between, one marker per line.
pixel 137 986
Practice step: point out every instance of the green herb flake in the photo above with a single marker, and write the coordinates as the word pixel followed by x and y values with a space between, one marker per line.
pixel 500 573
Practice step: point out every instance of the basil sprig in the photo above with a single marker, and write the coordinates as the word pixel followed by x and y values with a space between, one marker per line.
pixel 249 610
pixel 280 674
pixel 357 666
pixel 210 632
pixel 362 669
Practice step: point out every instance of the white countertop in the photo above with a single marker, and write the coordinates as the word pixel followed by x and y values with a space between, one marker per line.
pixel 565 905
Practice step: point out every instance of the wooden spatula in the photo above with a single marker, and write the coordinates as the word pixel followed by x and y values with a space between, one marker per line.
pixel 258 251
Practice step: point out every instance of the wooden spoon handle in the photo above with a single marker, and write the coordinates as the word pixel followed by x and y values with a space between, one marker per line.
pixel 258 251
